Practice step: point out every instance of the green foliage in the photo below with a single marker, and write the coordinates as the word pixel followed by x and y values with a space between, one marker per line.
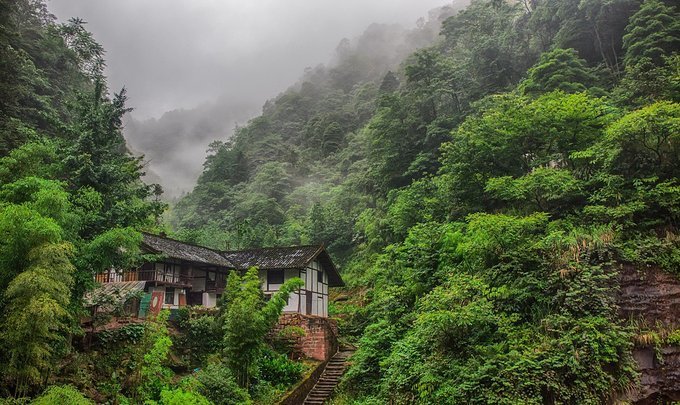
pixel 65 394
pixel 217 383
pixel 23 231
pixel 653 32
pixel 513 136
pixel 559 69
pixel 201 336
pixel 70 192
pixel 154 375
pixel 128 334
pixel 36 316
pixel 181 397
pixel 646 142
pixel 247 318
pixel 277 369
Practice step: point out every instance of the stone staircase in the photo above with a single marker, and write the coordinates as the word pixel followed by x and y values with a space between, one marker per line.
pixel 329 379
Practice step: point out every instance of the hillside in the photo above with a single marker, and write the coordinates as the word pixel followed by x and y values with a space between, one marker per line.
pixel 497 186
pixel 481 198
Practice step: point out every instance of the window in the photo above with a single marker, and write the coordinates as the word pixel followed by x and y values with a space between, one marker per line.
pixel 169 273
pixel 170 296
pixel 319 276
pixel 275 277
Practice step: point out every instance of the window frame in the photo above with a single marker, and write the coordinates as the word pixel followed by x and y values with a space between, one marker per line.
pixel 271 273
pixel 169 292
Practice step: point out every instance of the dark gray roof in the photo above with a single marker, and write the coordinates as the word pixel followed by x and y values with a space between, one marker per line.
pixel 265 258
pixel 273 258
pixel 286 258
pixel 175 249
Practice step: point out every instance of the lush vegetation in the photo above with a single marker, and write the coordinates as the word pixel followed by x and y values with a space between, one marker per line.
pixel 480 197
pixel 72 204
pixel 71 198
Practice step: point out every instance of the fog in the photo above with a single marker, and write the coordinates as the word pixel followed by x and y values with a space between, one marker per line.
pixel 195 68
pixel 180 53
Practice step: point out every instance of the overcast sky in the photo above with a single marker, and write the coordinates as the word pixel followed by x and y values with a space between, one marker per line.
pixel 173 54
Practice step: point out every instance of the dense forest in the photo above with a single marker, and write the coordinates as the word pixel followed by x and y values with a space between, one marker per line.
pixel 481 180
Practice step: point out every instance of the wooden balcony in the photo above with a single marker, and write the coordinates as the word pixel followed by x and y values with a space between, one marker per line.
pixel 158 276
pixel 217 285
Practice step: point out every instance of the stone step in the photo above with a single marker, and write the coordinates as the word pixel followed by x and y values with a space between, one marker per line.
pixel 335 368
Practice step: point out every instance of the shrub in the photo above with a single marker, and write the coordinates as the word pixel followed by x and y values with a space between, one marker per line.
pixel 217 383
pixel 284 341
pixel 278 369
pixel 62 394
pixel 181 397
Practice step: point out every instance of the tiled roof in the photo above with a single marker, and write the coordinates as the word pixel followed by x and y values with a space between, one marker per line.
pixel 264 258
pixel 273 258
pixel 285 258
pixel 184 251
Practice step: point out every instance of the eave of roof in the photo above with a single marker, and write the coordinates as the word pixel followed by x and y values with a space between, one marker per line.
pixel 285 258
pixel 175 249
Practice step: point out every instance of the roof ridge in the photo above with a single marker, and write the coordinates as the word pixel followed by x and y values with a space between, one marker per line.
pixel 318 246
pixel 181 241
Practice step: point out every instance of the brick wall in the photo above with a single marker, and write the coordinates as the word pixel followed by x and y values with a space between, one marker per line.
pixel 320 340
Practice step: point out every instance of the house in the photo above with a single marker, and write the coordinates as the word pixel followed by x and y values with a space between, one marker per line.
pixel 187 274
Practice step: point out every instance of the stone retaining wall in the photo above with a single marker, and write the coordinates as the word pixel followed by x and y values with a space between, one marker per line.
pixel 320 340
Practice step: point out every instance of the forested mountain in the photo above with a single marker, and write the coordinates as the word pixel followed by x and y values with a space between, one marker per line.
pixel 482 180
pixel 175 144
pixel 481 197
pixel 261 186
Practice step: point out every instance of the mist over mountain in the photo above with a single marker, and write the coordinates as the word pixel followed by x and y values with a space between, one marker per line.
pixel 481 205
pixel 175 144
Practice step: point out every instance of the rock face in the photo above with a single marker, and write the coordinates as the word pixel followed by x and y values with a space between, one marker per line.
pixel 652 296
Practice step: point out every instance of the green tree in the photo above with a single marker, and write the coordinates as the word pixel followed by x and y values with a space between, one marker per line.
pixel 65 394
pixel 653 32
pixel 218 384
pixel 559 69
pixel 36 316
pixel 154 375
pixel 646 142
pixel 246 320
